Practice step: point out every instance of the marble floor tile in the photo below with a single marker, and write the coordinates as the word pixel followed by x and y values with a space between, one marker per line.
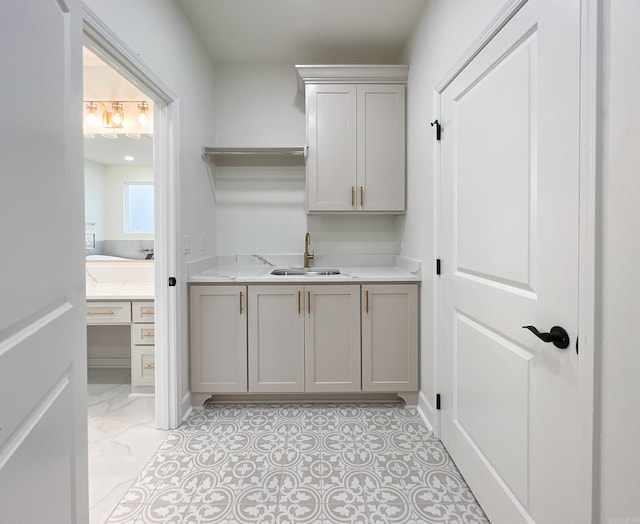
pixel 122 439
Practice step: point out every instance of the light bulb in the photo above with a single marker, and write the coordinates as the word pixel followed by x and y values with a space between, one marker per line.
pixel 91 120
pixel 143 107
pixel 117 118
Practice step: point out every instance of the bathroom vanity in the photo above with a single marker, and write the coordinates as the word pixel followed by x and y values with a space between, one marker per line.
pixel 120 319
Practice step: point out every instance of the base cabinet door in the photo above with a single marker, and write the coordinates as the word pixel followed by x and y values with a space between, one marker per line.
pixel 276 339
pixel 390 337
pixel 332 338
pixel 218 339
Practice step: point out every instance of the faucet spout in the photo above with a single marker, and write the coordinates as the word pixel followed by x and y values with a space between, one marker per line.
pixel 307 256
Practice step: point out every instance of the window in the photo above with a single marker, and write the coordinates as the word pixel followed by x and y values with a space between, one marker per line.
pixel 138 207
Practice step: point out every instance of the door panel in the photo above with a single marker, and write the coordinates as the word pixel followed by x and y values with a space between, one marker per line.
pixel 332 339
pixel 331 163
pixel 381 148
pixel 276 339
pixel 43 440
pixel 509 248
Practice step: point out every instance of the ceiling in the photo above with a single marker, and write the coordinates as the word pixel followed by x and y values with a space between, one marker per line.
pixel 304 31
pixel 266 31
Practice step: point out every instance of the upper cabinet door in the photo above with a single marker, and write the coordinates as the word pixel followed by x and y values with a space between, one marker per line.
pixel 331 162
pixel 381 147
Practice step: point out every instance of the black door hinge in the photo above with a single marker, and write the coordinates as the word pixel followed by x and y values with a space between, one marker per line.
pixel 172 281
pixel 437 266
pixel 438 128
pixel 577 340
pixel 437 400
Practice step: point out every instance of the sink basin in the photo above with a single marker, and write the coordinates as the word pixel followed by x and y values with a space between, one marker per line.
pixel 309 272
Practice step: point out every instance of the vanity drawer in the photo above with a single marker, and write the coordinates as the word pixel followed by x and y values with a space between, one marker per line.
pixel 143 366
pixel 144 312
pixel 108 313
pixel 143 334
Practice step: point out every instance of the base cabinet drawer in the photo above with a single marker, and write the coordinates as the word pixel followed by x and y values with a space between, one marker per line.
pixel 143 334
pixel 143 366
pixel 108 313
pixel 143 312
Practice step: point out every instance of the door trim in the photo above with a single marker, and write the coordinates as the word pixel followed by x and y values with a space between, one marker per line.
pixel 590 140
pixel 102 41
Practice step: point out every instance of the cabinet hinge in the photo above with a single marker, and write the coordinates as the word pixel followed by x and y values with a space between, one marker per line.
pixel 437 400
pixel 172 281
pixel 438 128
pixel 437 266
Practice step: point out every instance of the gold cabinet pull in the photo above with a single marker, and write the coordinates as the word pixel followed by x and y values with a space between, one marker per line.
pixel 361 196
pixel 353 196
pixel 299 301
pixel 150 366
pixel 366 301
pixel 148 334
pixel 100 313
pixel 241 302
pixel 309 301
pixel 147 312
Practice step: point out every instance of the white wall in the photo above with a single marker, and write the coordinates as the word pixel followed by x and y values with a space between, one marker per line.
pixel 116 176
pixel 94 189
pixel 619 242
pixel 261 209
pixel 447 28
pixel 160 34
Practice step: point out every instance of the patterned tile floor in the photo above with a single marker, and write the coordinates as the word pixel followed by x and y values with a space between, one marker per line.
pixel 295 463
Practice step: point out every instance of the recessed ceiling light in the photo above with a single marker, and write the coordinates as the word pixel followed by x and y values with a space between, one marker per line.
pixel 129 158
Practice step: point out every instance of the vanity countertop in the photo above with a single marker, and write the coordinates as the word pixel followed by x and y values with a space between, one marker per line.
pixel 261 273
pixel 120 291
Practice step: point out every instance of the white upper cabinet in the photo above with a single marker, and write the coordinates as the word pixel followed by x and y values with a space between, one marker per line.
pixel 356 138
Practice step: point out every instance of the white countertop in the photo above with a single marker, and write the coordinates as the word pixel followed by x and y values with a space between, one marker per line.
pixel 120 291
pixel 248 272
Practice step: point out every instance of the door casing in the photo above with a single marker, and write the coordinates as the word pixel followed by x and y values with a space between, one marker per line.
pixel 112 50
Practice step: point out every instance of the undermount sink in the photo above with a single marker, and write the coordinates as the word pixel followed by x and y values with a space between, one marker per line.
pixel 305 271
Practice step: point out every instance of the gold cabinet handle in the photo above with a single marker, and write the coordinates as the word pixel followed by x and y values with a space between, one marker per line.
pixel 361 196
pixel 309 301
pixel 353 196
pixel 150 366
pixel 148 334
pixel 147 312
pixel 299 301
pixel 366 301
pixel 241 302
pixel 100 313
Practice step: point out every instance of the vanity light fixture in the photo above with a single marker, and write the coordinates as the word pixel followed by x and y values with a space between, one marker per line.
pixel 129 158
pixel 107 117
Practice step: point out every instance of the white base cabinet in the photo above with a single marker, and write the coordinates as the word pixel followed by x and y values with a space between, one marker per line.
pixel 390 337
pixel 279 338
pixel 218 339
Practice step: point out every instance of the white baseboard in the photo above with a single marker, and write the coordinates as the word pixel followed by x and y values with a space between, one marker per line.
pixel 427 413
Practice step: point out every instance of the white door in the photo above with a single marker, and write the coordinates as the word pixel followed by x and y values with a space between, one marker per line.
pixel 509 249
pixel 43 424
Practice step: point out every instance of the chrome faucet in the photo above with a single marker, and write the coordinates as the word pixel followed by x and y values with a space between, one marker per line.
pixel 307 256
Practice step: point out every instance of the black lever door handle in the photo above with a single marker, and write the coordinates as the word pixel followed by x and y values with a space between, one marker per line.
pixel 558 336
